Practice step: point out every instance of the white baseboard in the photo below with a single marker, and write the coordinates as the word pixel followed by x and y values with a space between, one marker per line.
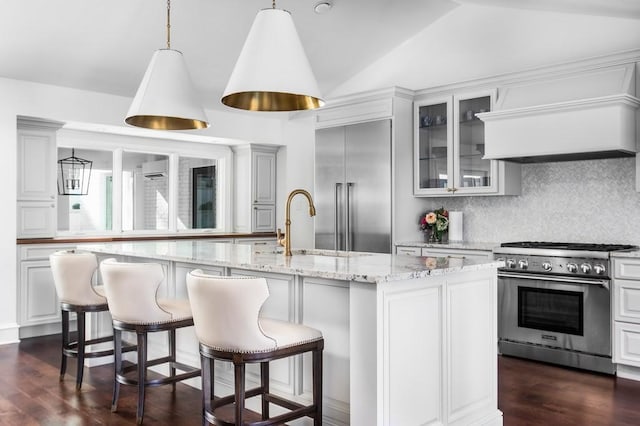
pixel 628 372
pixel 9 333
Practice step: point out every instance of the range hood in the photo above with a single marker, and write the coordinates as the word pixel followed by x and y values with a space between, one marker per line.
pixel 588 115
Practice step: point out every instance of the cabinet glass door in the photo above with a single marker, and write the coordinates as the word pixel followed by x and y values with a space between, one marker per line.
pixel 472 172
pixel 434 154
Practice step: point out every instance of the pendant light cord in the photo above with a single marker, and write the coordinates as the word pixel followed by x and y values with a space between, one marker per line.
pixel 169 24
pixel 273 4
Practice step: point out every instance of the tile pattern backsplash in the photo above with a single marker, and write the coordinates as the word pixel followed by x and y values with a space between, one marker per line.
pixel 575 201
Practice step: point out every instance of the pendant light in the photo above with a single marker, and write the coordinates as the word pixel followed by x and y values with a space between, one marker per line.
pixel 272 72
pixel 74 175
pixel 166 99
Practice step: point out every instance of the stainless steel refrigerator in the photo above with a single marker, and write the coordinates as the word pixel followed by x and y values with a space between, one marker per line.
pixel 353 187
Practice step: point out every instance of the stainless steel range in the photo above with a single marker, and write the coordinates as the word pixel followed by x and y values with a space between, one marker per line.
pixel 554 303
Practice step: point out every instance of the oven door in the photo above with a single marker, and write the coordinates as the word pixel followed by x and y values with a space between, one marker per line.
pixel 554 311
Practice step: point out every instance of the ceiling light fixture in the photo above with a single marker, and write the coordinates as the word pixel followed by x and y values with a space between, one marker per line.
pixel 272 72
pixel 322 7
pixel 74 175
pixel 166 99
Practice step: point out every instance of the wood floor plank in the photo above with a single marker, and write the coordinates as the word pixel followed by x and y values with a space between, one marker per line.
pixel 529 394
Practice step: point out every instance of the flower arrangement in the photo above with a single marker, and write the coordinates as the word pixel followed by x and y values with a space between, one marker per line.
pixel 435 223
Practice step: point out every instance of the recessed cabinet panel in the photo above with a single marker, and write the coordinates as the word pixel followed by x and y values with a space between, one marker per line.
pixel 264 218
pixel 627 300
pixel 36 164
pixel 627 344
pixel 36 219
pixel 264 178
pixel 37 294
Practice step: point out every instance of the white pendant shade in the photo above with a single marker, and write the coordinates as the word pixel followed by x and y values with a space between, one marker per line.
pixel 272 72
pixel 166 99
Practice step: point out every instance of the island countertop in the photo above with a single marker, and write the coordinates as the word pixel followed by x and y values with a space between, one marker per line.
pixel 339 265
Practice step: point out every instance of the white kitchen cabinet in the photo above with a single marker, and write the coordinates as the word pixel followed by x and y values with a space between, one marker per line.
pixel 449 149
pixel 463 254
pixel 408 251
pixel 36 179
pixel 255 188
pixel 38 304
pixel 626 316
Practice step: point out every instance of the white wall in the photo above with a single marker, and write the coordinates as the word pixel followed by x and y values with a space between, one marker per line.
pixel 64 104
pixel 472 42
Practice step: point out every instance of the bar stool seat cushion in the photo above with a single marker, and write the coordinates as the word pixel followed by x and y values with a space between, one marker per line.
pixel 286 334
pixel 100 290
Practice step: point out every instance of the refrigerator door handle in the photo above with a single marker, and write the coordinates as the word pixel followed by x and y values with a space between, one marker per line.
pixel 336 216
pixel 348 243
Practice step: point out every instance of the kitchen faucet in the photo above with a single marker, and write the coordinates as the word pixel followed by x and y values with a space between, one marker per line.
pixel 285 240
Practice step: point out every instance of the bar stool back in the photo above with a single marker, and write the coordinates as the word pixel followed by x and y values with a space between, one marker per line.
pixel 131 290
pixel 73 272
pixel 228 326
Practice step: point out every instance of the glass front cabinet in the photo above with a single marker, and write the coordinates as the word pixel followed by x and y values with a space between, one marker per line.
pixel 449 149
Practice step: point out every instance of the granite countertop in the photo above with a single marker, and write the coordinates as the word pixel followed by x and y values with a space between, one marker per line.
pixel 339 265
pixel 459 245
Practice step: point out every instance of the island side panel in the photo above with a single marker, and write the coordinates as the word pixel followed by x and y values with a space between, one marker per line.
pixel 471 348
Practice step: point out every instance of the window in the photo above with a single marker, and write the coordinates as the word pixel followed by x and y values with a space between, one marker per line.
pixel 145 191
pixel 197 193
pixel 91 212
pixel 143 185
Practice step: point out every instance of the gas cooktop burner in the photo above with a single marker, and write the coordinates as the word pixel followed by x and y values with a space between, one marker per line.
pixel 568 246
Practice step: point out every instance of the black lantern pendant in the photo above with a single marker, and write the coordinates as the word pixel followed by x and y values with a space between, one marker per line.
pixel 73 175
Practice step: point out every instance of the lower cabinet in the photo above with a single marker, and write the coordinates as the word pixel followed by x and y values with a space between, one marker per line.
pixel 38 304
pixel 626 316
pixel 444 252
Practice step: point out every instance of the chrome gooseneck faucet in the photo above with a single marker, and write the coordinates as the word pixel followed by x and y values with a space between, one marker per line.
pixel 285 240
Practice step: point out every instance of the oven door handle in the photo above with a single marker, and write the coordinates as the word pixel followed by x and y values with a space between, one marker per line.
pixel 570 280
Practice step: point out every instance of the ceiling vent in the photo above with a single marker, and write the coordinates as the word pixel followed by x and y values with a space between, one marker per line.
pixel 155 169
pixel 580 116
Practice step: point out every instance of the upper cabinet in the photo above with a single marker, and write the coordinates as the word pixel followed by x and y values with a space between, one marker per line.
pixel 255 188
pixel 36 180
pixel 449 143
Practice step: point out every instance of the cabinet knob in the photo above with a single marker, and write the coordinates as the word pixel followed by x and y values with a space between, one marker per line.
pixel 53 206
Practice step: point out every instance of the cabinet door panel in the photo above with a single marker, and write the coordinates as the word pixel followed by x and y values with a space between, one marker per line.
pixel 626 300
pixel 36 219
pixel 36 165
pixel 38 300
pixel 264 218
pixel 264 179
pixel 626 344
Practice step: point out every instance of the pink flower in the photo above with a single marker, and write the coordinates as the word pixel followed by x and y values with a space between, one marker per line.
pixel 430 218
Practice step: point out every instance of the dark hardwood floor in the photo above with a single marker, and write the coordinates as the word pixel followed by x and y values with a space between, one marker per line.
pixel 529 393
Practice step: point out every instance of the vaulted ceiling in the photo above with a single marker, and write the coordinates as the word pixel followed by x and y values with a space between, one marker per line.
pixel 105 46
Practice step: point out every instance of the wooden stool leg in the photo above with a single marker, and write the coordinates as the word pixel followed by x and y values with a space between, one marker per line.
pixel 264 384
pixel 172 354
pixel 142 374
pixel 117 367
pixel 239 391
pixel 81 349
pixel 317 386
pixel 65 343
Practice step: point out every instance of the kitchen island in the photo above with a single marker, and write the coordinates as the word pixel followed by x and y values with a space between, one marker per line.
pixel 408 340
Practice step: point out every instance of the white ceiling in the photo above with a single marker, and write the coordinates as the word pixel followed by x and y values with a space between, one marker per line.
pixel 105 46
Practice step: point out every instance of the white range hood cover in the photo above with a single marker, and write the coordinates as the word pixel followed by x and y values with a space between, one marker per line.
pixel 587 115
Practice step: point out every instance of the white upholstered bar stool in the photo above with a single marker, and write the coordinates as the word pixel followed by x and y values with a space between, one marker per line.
pixel 131 290
pixel 228 326
pixel 73 272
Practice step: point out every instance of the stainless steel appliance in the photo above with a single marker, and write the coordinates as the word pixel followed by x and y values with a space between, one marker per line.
pixel 554 302
pixel 353 187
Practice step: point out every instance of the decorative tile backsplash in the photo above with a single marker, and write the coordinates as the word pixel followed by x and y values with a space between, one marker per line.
pixel 575 201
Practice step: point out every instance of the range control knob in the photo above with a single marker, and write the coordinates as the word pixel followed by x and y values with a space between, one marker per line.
pixel 572 267
pixel 511 263
pixel 523 264
pixel 599 269
pixel 546 266
pixel 586 268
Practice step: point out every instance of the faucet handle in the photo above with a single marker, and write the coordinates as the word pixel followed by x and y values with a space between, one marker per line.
pixel 280 238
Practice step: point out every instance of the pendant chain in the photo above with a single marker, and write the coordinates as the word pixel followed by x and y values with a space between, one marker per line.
pixel 169 24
